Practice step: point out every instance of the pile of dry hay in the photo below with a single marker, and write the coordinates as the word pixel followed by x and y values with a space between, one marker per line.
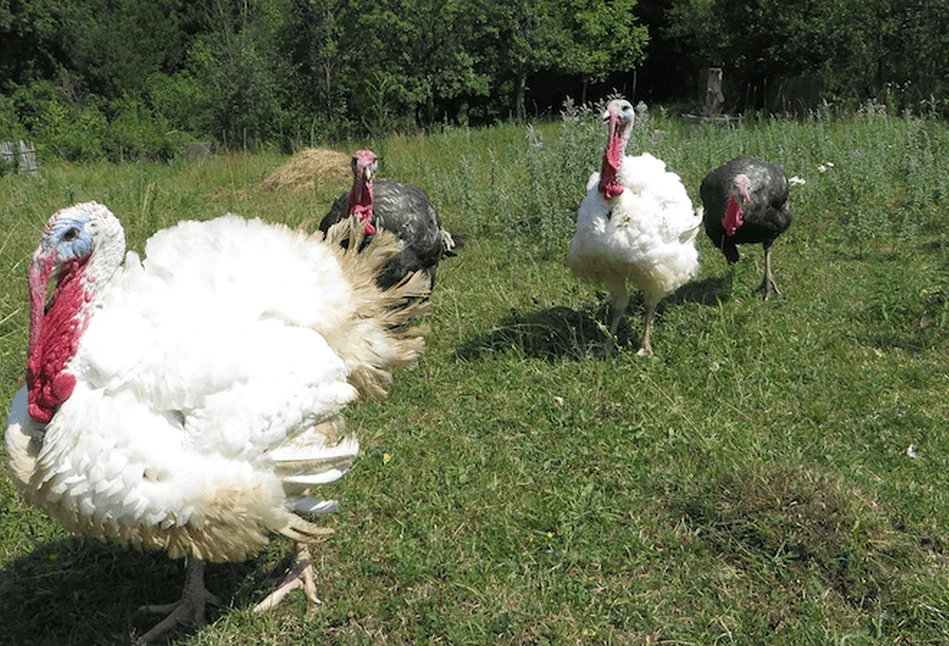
pixel 309 169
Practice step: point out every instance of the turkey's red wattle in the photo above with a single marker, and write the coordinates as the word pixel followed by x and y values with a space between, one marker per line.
pixel 360 205
pixel 612 158
pixel 54 337
pixel 733 217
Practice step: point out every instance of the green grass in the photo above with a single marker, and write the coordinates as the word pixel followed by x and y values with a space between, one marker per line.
pixel 749 484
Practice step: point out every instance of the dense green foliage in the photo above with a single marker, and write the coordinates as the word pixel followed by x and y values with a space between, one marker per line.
pixel 288 71
pixel 851 50
pixel 776 474
pixel 102 79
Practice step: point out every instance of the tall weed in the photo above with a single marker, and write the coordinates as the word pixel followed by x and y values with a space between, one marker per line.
pixel 869 177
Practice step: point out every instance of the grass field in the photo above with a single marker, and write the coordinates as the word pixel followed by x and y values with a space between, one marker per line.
pixel 752 483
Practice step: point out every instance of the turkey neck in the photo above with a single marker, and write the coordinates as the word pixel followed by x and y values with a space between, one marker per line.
pixel 360 205
pixel 733 217
pixel 56 328
pixel 733 212
pixel 613 158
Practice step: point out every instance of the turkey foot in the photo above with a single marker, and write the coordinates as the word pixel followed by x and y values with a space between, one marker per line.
pixel 299 576
pixel 645 347
pixel 768 286
pixel 188 610
pixel 767 283
pixel 608 349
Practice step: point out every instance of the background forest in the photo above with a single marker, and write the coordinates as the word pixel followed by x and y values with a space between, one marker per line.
pixel 130 79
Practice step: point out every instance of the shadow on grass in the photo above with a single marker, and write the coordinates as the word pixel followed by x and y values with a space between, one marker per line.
pixel 76 591
pixel 708 291
pixel 551 334
pixel 563 333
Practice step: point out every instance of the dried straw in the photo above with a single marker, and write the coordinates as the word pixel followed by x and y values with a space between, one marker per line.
pixel 309 169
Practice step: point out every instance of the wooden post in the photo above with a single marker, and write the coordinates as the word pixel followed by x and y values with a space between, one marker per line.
pixel 7 156
pixel 714 99
pixel 28 158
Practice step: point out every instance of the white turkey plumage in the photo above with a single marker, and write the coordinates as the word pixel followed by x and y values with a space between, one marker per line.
pixel 636 225
pixel 403 209
pixel 191 401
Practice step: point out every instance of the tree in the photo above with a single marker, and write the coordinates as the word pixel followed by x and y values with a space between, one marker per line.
pixel 33 40
pixel 443 50
pixel 313 42
pixel 115 46
pixel 605 37
pixel 531 35
pixel 235 71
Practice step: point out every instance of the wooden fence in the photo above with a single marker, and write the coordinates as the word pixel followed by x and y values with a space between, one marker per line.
pixel 21 155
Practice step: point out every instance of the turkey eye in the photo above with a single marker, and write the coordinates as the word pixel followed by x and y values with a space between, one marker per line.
pixel 71 234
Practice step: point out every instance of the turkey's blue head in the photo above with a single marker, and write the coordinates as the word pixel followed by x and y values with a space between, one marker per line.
pixel 620 115
pixel 733 211
pixel 364 165
pixel 80 248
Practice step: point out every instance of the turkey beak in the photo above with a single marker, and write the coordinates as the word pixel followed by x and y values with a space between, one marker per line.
pixel 367 173
pixel 43 266
pixel 42 269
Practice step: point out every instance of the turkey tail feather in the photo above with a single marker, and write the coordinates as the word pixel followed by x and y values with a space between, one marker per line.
pixel 386 340
pixel 310 459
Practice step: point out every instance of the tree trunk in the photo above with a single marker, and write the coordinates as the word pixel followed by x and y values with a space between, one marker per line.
pixel 430 102
pixel 520 92
pixel 583 91
pixel 328 79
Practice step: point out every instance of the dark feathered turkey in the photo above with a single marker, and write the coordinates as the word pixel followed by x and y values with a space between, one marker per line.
pixel 402 209
pixel 746 200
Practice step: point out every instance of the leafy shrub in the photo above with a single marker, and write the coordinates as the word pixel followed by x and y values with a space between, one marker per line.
pixel 59 123
pixel 74 134
pixel 183 101
pixel 137 132
pixel 10 127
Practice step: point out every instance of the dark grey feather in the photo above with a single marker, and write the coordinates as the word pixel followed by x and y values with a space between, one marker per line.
pixel 766 216
pixel 405 210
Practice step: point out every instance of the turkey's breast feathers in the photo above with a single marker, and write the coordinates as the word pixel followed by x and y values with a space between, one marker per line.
pixel 765 216
pixel 198 366
pixel 646 234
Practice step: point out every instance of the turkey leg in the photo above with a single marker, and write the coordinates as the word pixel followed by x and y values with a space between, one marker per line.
pixel 188 610
pixel 645 348
pixel 620 302
pixel 767 283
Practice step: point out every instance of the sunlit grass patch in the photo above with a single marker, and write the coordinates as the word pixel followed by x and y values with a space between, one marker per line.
pixel 777 473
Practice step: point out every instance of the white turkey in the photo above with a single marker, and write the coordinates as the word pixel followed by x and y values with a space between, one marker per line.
pixel 191 401
pixel 403 209
pixel 746 200
pixel 636 225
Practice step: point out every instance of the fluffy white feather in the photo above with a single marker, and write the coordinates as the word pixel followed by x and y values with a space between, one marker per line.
pixel 643 234
pixel 209 379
